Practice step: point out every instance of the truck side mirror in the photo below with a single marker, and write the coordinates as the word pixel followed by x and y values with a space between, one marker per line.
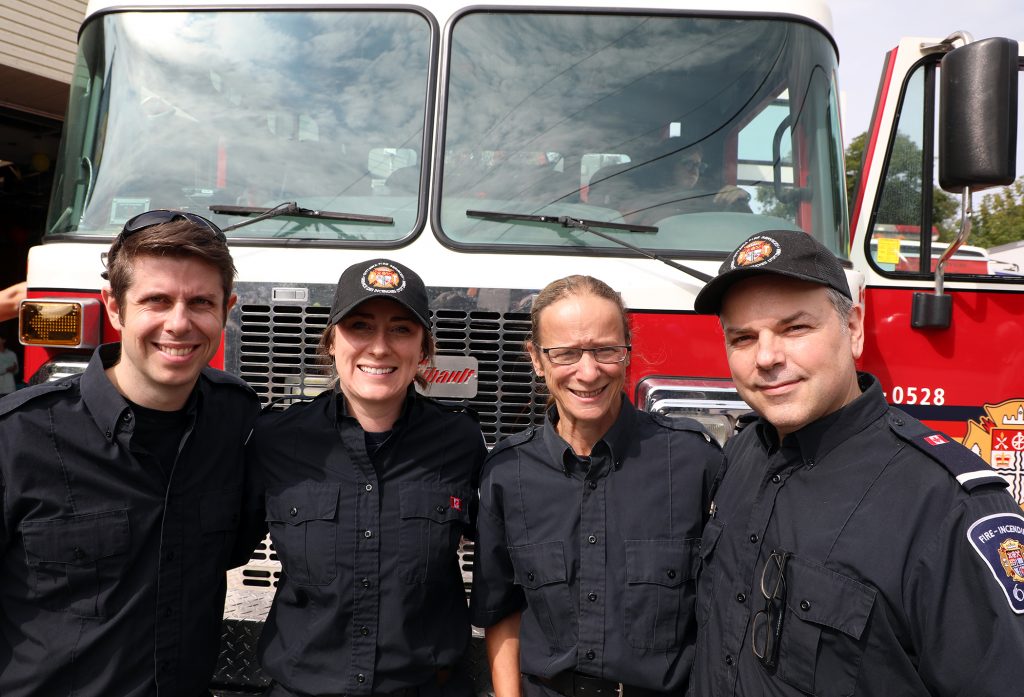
pixel 977 146
pixel 978 116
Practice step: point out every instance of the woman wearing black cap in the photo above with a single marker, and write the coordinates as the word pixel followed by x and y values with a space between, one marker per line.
pixel 370 486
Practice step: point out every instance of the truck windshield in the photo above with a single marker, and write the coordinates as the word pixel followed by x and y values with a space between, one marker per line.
pixel 248 110
pixel 709 129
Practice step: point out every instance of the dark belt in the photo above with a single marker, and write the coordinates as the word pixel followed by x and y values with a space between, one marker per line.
pixel 572 684
pixel 441 677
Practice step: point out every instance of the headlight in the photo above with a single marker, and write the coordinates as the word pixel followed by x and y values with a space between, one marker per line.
pixel 712 402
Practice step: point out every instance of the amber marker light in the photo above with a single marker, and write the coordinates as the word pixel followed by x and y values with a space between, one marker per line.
pixel 59 322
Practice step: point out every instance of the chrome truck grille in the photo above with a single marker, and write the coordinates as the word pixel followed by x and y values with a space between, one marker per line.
pixel 272 338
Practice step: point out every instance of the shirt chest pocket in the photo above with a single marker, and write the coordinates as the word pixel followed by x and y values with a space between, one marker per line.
pixel 433 521
pixel 820 648
pixel 706 569
pixel 75 562
pixel 303 523
pixel 541 571
pixel 660 591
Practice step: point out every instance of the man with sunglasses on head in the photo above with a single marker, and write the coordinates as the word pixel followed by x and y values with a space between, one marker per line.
pixel 851 549
pixel 122 489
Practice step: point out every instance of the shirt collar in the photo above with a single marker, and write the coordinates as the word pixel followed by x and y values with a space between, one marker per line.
pixel 615 442
pixel 338 408
pixel 107 406
pixel 819 438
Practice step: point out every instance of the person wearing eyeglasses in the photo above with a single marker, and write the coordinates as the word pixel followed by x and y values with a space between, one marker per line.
pixel 123 489
pixel 852 550
pixel 369 488
pixel 689 194
pixel 660 186
pixel 589 526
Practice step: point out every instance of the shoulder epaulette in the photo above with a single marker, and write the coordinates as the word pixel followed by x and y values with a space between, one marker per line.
pixel 523 436
pixel 681 423
pixel 221 377
pixel 965 466
pixel 285 402
pixel 16 400
pixel 454 407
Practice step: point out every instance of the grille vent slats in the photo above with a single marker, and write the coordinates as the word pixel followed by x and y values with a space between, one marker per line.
pixel 277 343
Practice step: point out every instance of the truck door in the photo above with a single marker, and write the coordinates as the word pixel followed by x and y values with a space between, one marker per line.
pixel 967 378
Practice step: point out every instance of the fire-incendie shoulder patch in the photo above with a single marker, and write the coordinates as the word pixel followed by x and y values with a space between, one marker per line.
pixel 999 541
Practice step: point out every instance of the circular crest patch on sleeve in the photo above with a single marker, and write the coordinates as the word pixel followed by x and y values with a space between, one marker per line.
pixel 999 541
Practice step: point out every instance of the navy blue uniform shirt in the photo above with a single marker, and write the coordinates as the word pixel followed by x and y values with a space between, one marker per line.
pixel 371 598
pixel 599 554
pixel 112 572
pixel 886 588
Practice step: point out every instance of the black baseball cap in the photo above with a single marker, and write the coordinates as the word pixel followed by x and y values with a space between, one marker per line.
pixel 783 252
pixel 380 278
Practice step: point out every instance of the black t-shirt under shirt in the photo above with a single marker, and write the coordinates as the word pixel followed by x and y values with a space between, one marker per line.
pixel 158 434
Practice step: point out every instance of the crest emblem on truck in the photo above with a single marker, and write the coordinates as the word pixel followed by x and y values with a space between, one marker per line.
pixel 760 250
pixel 997 436
pixel 383 277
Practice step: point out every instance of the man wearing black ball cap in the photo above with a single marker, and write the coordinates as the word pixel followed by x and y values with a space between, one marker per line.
pixel 852 550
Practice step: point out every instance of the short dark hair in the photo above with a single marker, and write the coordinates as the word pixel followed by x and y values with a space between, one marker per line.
pixel 178 239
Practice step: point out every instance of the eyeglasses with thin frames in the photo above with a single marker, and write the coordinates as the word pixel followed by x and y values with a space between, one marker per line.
pixel 767 625
pixel 567 355
pixel 697 166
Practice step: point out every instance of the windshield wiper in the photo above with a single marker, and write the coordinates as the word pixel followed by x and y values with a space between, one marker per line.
pixel 588 226
pixel 292 208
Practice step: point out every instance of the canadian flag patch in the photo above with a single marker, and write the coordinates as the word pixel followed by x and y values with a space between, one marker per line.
pixel 455 502
pixel 936 439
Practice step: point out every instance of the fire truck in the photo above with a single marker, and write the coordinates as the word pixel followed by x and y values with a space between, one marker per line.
pixel 496 147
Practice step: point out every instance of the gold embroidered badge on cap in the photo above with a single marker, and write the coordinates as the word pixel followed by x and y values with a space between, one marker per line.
pixel 756 252
pixel 383 277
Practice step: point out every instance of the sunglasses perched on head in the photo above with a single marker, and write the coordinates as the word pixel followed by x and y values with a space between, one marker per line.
pixel 149 219
pixel 161 216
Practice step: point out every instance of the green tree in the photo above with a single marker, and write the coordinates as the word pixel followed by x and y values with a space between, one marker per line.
pixel 854 162
pixel 901 192
pixel 1000 217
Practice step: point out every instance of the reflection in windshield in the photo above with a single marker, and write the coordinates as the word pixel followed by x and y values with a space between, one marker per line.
pixel 692 125
pixel 248 109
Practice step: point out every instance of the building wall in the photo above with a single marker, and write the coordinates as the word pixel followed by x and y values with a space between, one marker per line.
pixel 37 53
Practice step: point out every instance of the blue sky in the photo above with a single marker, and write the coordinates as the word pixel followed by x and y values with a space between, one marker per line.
pixel 866 29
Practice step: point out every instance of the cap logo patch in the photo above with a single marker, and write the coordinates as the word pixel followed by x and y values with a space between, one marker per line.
pixel 999 541
pixel 383 278
pixel 756 252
